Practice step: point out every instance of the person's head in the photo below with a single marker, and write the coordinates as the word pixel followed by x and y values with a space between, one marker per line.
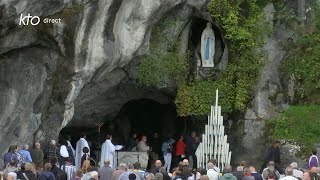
pixel 314 170
pixel 109 137
pixel 239 168
pixel 227 169
pixel 289 171
pixel 155 135
pixel 132 176
pixel 158 176
pixel 213 161
pixel 314 152
pixel 11 176
pixel 137 165
pixel 197 139
pixel 202 171
pixel 86 167
pixel 85 150
pixel 150 176
pixel 193 134
pixel 204 177
pixel 271 174
pixel 130 166
pixel 94 174
pixel 28 166
pixel 144 138
pixel 11 149
pixel 53 142
pixel 37 145
pixel 158 163
pixel 122 166
pixel 134 135
pixel 181 138
pixel 12 163
pixel 53 161
pixel 271 163
pixel 106 162
pixel 186 171
pixel 79 174
pixel 163 170
pixel 306 176
pixel 168 139
pixel 246 171
pixel 69 160
pixel 252 169
pixel 25 147
pixel 83 135
pixel 47 167
pixel 276 144
pixel 210 165
pixel 294 165
pixel 185 162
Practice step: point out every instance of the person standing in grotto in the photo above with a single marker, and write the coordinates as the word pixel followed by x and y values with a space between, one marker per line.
pixel 167 149
pixel 190 145
pixel 82 142
pixel 108 152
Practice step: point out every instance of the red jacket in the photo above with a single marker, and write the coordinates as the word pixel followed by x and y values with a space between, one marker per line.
pixel 180 148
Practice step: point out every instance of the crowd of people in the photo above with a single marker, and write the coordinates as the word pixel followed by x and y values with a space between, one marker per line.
pixel 64 162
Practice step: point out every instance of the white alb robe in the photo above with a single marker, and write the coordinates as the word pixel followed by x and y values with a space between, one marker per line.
pixel 107 153
pixel 80 145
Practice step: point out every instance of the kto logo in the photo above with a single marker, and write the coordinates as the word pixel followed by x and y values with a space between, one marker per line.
pixel 25 20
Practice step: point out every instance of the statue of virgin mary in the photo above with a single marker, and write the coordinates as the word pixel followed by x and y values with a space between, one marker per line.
pixel 207 46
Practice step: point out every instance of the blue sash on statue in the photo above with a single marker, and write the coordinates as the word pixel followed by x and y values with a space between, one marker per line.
pixel 208 48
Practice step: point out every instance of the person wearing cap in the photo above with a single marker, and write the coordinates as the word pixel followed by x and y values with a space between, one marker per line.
pixel 296 173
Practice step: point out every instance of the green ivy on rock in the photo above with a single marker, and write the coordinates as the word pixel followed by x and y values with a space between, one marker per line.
pixel 235 84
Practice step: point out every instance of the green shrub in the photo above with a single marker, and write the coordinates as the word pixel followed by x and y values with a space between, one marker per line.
pixel 298 123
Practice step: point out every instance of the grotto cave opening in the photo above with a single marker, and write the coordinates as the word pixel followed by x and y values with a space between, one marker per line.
pixel 141 116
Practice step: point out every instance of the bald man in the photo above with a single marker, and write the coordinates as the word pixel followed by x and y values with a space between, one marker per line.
pixel 158 165
pixel 105 172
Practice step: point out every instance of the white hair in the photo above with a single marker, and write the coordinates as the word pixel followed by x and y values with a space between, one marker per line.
pixel 13 175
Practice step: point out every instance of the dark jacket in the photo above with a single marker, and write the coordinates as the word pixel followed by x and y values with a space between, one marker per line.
pixel 238 174
pixel 29 175
pixel 257 176
pixel 273 154
pixel 46 175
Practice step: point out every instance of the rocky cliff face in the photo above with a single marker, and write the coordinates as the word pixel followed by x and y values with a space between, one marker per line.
pixel 55 72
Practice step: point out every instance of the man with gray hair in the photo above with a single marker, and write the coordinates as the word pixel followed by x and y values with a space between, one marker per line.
pixel 25 154
pixel 125 176
pixel 227 173
pixel 12 176
pixel 211 172
pixel 270 169
pixel 117 173
pixel 289 174
pixel 296 173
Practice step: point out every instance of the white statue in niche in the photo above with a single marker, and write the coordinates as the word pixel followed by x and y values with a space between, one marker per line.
pixel 207 46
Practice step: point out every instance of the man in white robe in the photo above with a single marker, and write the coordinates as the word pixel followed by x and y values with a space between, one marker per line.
pixel 79 153
pixel 108 152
